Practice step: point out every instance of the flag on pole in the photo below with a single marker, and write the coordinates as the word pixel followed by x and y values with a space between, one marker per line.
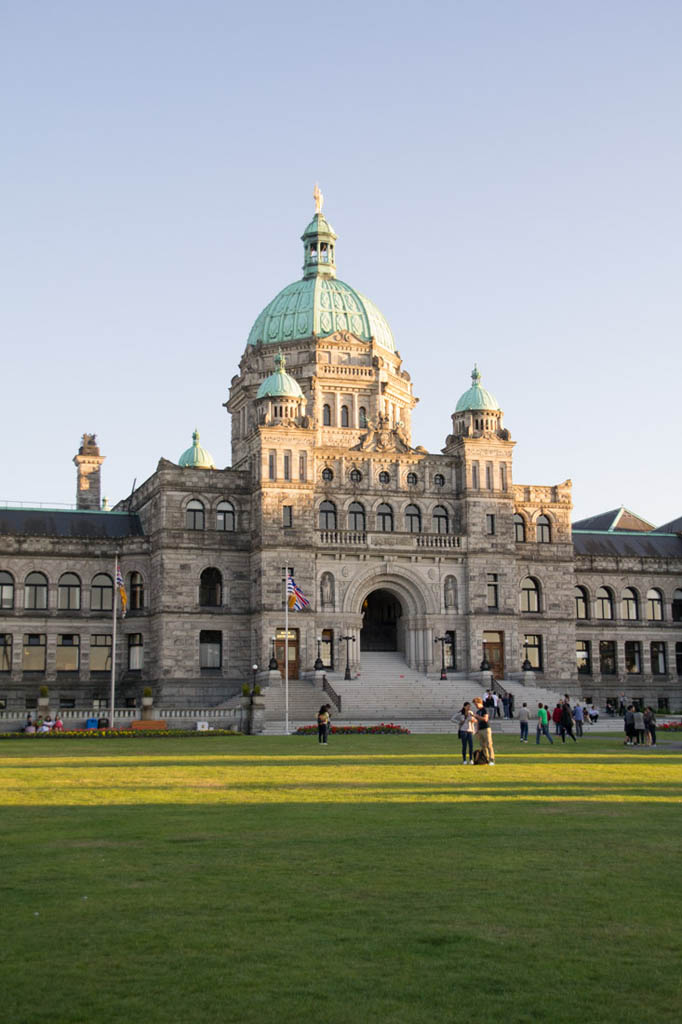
pixel 296 599
pixel 122 590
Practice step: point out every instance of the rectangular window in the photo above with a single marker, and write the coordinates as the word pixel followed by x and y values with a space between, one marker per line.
pixel 272 465
pixel 34 652
pixel 489 476
pixel 5 652
pixel 490 524
pixel 302 467
pixel 607 657
pixel 450 649
pixel 67 702
pixel 327 648
pixel 100 652
pixel 287 515
pixel 658 665
pixel 493 590
pixel 583 657
pixel 68 653
pixel 474 476
pixel 135 652
pixel 287 466
pixel 532 647
pixel 633 657
pixel 210 648
pixel 503 477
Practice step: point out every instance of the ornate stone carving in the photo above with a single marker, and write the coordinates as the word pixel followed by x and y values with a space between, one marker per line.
pixel 381 437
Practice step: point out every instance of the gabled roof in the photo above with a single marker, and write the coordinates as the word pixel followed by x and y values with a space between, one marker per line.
pixel 674 526
pixel 632 545
pixel 619 519
pixel 46 522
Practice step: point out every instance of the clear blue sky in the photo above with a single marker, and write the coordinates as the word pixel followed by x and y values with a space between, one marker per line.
pixel 504 178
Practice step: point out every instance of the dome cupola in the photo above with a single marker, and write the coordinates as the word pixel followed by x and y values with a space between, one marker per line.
pixel 477 413
pixel 196 457
pixel 279 398
pixel 476 397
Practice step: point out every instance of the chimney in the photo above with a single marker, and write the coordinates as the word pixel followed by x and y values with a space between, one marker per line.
pixel 87 463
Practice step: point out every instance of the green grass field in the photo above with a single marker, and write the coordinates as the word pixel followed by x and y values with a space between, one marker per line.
pixel 259 879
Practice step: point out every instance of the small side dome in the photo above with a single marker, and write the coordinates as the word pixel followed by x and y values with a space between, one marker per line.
pixel 476 397
pixel 196 457
pixel 279 384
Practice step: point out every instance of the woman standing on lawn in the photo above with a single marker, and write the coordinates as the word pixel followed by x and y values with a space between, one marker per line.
pixel 466 721
pixel 650 726
pixel 322 724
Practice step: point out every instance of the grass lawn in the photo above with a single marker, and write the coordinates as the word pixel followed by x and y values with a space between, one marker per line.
pixel 259 879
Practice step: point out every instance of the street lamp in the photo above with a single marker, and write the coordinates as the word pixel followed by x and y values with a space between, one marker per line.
pixel 526 667
pixel 485 664
pixel 442 640
pixel 254 669
pixel 318 666
pixel 348 640
pixel 273 660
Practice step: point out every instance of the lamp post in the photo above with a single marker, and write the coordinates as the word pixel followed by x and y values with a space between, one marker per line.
pixel 526 667
pixel 348 640
pixel 273 660
pixel 441 640
pixel 254 669
pixel 485 664
pixel 318 666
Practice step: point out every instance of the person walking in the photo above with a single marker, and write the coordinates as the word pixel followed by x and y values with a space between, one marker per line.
pixel 485 741
pixel 650 726
pixel 466 722
pixel 542 725
pixel 566 722
pixel 578 718
pixel 322 724
pixel 523 722
pixel 556 718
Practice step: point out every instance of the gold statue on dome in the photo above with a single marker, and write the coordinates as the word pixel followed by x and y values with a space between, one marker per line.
pixel 318 197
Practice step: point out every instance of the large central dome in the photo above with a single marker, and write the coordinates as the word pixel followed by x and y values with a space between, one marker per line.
pixel 320 304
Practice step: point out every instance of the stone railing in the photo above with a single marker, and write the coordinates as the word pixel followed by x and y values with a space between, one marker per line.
pixel 76 718
pixel 393 539
pixel 343 537
pixel 334 370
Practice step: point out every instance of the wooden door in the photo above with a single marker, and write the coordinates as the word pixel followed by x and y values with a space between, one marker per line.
pixel 293 649
pixel 493 648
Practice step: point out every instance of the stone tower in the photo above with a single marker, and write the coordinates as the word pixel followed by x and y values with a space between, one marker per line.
pixel 88 462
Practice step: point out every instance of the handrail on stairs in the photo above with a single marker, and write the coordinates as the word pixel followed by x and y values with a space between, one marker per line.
pixel 329 689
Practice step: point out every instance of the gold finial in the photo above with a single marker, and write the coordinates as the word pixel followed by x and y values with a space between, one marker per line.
pixel 318 197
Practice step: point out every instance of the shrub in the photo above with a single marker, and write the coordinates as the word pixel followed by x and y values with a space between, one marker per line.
pixel 147 692
pixel 43 691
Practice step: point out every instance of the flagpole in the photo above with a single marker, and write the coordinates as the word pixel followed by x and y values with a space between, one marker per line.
pixel 286 650
pixel 112 699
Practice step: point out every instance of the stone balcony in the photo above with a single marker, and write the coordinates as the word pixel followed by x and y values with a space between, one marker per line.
pixel 383 541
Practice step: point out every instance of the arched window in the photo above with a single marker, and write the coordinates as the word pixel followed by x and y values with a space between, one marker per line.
pixel 136 591
pixel 530 595
pixel 355 476
pixel 440 520
pixel 411 479
pixel 385 518
pixel 413 519
pixel 603 604
pixel 101 593
pixel 35 591
pixel 582 605
pixel 543 530
pixel 677 605
pixel 225 516
pixel 6 590
pixel 439 480
pixel 211 588
pixel 519 529
pixel 194 516
pixel 344 415
pixel 326 415
pixel 384 477
pixel 362 416
pixel 628 604
pixel 654 605
pixel 327 475
pixel 69 593
pixel 327 515
pixel 356 516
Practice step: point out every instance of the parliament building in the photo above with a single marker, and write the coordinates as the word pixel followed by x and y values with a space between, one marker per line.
pixel 436 556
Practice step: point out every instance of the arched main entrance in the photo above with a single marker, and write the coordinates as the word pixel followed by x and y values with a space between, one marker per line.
pixel 381 611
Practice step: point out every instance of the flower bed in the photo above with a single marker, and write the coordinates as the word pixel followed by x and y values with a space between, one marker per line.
pixel 111 734
pixel 672 726
pixel 353 730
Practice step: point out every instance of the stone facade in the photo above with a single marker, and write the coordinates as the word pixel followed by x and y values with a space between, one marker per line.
pixel 393 546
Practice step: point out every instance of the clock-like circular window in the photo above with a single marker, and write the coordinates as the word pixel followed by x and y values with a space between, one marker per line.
pixel 384 477
pixel 327 474
pixel 355 476
pixel 412 479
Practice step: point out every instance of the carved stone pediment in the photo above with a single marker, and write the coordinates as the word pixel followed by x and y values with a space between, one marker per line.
pixel 381 437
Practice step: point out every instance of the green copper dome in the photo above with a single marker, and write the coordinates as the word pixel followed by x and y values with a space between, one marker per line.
pixel 476 397
pixel 320 304
pixel 196 457
pixel 279 384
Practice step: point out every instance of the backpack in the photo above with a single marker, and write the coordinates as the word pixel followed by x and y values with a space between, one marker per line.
pixel 480 757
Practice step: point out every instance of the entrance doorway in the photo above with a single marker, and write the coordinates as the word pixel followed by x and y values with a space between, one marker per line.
pixel 493 650
pixel 293 649
pixel 381 611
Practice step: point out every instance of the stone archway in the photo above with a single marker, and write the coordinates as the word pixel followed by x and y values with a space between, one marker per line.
pixel 381 614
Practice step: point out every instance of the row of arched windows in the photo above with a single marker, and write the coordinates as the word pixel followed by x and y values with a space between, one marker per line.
pixel 632 608
pixel 385 519
pixel 69 592
pixel 195 516
pixel 344 417
pixel 543 530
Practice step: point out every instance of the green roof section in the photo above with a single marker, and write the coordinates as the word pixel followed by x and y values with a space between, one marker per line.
pixel 320 304
pixel 476 398
pixel 280 384
pixel 196 457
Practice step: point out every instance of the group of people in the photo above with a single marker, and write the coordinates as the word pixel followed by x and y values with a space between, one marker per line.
pixel 640 727
pixel 493 702
pixel 324 723
pixel 475 721
pixel 43 725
